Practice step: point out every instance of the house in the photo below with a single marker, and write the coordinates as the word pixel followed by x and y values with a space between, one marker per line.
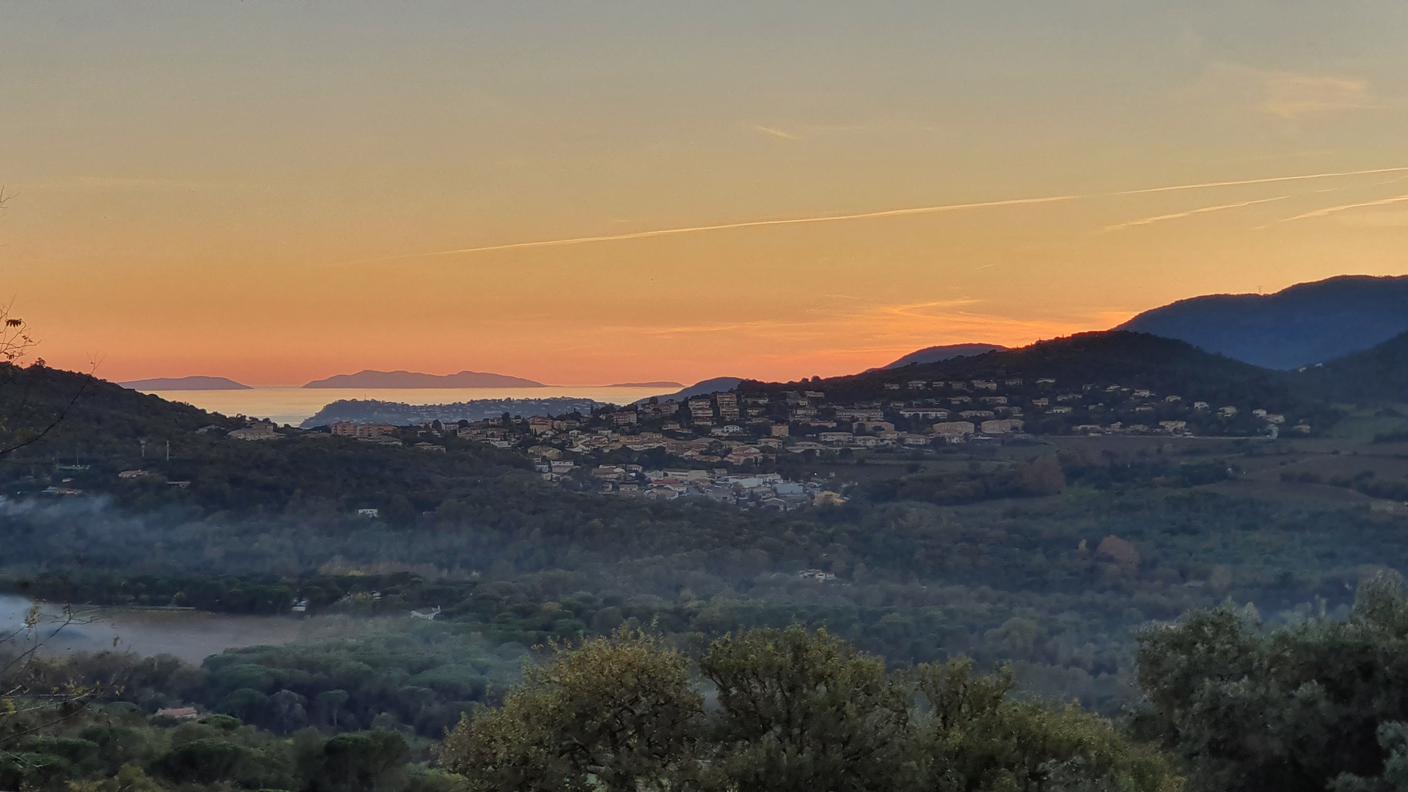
pixel 426 615
pixel 369 514
pixel 1001 426
pixel 924 413
pixel 970 414
pixel 359 431
pixel 179 713
pixel 728 406
pixel 816 575
pixel 133 475
pixel 255 432
pixel 434 448
pixel 954 431
pixel 744 455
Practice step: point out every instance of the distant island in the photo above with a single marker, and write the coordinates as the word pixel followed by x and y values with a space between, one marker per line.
pixel 184 383
pixel 652 384
pixel 413 379
pixel 371 411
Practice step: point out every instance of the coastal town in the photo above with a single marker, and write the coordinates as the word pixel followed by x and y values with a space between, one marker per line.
pixel 727 446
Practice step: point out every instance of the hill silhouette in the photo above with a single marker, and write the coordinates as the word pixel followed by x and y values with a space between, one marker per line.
pixel 1378 374
pixel 936 354
pixel 1299 326
pixel 184 383
pixel 370 378
pixel 1133 359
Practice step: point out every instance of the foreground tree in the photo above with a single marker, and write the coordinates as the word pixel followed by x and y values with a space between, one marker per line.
pixel 1290 710
pixel 796 710
pixel 976 736
pixel 614 714
pixel 805 711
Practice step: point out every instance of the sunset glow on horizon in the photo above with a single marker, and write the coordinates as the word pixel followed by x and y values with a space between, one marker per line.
pixel 586 195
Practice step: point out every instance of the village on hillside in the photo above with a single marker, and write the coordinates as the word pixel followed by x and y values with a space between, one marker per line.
pixel 723 446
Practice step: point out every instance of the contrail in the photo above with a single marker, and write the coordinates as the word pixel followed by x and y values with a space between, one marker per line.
pixel 659 232
pixel 1329 210
pixel 1143 221
pixel 915 210
pixel 1270 180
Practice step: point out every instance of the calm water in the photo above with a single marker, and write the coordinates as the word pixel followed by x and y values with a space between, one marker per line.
pixel 293 405
pixel 189 635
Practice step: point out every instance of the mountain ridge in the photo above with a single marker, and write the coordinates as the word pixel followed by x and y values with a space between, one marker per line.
pixel 1301 325
pixel 942 352
pixel 373 378
pixel 192 382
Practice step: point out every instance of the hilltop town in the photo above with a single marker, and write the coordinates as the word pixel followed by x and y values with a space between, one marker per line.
pixel 726 446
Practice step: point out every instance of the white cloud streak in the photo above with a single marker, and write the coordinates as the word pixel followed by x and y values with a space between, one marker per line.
pixel 882 213
pixel 1144 221
pixel 774 132
pixel 1330 210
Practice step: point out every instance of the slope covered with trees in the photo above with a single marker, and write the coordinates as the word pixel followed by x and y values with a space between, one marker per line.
pixel 1299 326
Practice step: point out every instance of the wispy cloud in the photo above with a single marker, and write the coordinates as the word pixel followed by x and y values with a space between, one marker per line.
pixel 662 232
pixel 1332 210
pixel 774 132
pixel 1144 221
pixel 883 213
pixel 1294 96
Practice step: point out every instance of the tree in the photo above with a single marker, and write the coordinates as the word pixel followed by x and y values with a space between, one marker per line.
pixel 1290 709
pixel 615 713
pixel 23 714
pixel 975 736
pixel 805 711
pixel 16 342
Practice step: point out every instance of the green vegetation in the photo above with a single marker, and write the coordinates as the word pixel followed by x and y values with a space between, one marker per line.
pixel 793 711
pixel 1292 709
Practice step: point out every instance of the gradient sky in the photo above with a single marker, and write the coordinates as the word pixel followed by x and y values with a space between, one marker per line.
pixel 275 191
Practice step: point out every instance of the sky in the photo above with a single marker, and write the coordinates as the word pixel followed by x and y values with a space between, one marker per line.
pixel 603 192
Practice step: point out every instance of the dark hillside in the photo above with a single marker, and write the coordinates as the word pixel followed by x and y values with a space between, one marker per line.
pixel 1300 326
pixel 1379 374
pixel 1099 358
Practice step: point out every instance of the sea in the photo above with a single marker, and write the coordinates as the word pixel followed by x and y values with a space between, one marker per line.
pixel 292 405
pixel 190 635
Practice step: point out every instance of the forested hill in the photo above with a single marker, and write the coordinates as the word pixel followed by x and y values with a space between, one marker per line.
pixel 1379 374
pixel 93 411
pixel 1302 325
pixel 1115 357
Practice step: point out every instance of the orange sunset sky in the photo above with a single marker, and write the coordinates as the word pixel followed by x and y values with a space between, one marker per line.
pixel 276 191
